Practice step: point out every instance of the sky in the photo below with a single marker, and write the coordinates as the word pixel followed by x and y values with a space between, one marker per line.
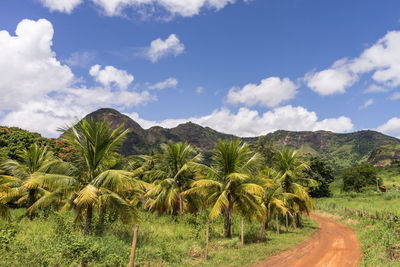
pixel 245 67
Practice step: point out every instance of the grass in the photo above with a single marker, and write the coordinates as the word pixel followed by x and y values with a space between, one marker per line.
pixel 52 240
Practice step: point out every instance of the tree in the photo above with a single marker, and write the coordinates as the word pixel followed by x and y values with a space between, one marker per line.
pixel 93 181
pixel 274 199
pixel 34 161
pixel 266 150
pixel 227 185
pixel 321 172
pixel 171 177
pixel 293 180
pixel 357 178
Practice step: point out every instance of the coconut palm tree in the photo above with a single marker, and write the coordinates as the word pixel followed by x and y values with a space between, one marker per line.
pixel 293 180
pixel 34 162
pixel 274 199
pixel 228 184
pixel 172 177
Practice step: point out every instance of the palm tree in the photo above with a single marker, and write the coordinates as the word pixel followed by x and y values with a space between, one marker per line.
pixel 294 181
pixel 227 185
pixel 35 161
pixel 274 199
pixel 171 177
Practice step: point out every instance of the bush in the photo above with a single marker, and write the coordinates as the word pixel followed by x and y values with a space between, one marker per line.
pixel 359 177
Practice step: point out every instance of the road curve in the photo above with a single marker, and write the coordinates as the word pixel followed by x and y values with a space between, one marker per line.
pixel 333 245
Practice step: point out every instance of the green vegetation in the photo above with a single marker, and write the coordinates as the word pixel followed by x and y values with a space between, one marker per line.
pixel 51 239
pixel 321 172
pixel 100 194
pixel 360 177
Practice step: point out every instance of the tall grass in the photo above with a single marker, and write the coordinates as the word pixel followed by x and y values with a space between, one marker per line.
pixel 52 240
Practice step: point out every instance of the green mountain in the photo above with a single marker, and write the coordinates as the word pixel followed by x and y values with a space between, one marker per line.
pixel 341 150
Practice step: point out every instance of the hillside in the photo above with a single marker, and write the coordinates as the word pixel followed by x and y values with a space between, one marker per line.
pixel 342 150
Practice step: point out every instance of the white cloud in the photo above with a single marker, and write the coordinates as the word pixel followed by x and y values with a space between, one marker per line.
pixel 39 93
pixel 248 122
pixel 111 76
pixel 65 6
pixel 367 103
pixel 184 8
pixel 373 88
pixel 331 81
pixel 168 83
pixel 269 93
pixel 392 126
pixel 200 90
pixel 28 65
pixel 161 48
pixel 382 60
pixel 80 59
pixel 395 96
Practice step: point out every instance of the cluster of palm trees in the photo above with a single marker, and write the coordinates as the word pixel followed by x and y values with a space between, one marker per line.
pixel 174 181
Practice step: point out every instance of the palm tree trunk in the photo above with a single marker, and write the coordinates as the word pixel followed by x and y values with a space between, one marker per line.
pixel 89 214
pixel 262 236
pixel 277 224
pixel 180 204
pixel 101 217
pixel 298 219
pixel 31 201
pixel 228 223
pixel 287 222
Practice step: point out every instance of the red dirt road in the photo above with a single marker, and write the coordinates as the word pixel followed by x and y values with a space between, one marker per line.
pixel 333 245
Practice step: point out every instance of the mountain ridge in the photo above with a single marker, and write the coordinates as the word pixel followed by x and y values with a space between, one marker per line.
pixel 341 149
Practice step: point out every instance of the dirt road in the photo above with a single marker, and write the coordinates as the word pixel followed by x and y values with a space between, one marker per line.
pixel 333 245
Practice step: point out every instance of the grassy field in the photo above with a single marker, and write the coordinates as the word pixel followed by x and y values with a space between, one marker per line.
pixel 163 241
pixel 374 217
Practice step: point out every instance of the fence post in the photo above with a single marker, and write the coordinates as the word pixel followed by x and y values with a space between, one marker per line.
pixel 207 234
pixel 135 234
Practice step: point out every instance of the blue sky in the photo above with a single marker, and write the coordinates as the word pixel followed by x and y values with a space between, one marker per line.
pixel 242 67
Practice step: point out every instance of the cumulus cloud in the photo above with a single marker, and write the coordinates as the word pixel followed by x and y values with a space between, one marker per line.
pixel 392 126
pixel 65 6
pixel 168 83
pixel 110 75
pixel 28 65
pixel 184 8
pixel 269 93
pixel 40 94
pixel 381 59
pixel 161 48
pixel 367 103
pixel 248 122
pixel 331 81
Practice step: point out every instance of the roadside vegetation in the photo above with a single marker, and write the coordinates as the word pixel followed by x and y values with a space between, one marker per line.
pixel 372 213
pixel 81 207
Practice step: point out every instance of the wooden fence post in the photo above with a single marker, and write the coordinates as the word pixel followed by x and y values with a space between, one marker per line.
pixel 207 234
pixel 242 241
pixel 135 235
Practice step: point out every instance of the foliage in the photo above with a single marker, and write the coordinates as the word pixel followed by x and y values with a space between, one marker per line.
pixel 171 176
pixel 321 172
pixel 51 240
pixel 227 185
pixel 359 177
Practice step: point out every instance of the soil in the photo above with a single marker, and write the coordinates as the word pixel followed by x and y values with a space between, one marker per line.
pixel 333 245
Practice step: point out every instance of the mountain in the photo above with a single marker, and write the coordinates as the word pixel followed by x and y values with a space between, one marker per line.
pixel 341 150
